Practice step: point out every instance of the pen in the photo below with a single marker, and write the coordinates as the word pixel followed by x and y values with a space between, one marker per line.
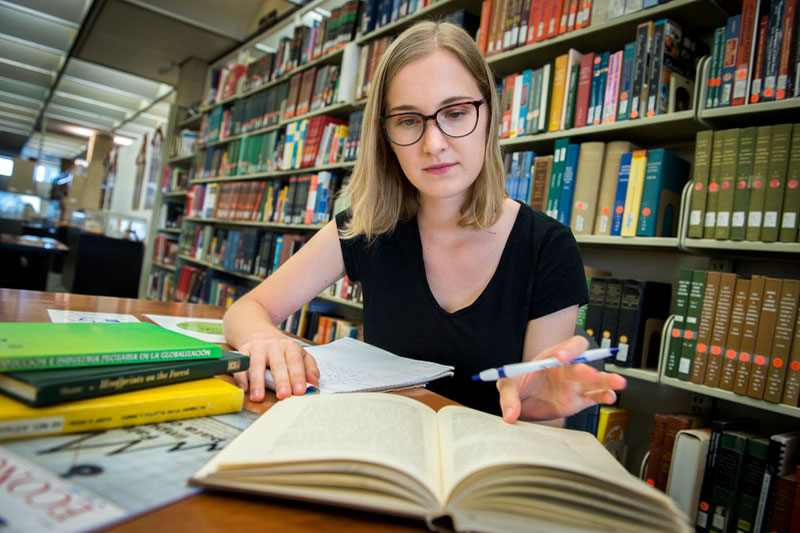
pixel 515 369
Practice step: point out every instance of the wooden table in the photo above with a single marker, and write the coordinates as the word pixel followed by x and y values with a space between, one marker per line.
pixel 212 511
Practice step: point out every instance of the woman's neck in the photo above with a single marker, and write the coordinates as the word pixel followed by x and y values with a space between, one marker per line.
pixel 439 214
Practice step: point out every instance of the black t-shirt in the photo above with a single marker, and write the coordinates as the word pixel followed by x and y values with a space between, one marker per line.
pixel 540 272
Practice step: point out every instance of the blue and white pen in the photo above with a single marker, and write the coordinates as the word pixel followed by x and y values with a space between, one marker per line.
pixel 515 369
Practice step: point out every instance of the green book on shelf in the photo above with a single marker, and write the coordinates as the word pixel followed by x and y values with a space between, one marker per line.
pixel 40 345
pixel 741 193
pixel 702 166
pixel 44 387
pixel 776 181
pixel 678 325
pixel 727 177
pixel 692 320
pixel 791 199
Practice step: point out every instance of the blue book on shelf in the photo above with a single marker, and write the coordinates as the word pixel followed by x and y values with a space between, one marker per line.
pixel 568 183
pixel 664 178
pixel 622 190
pixel 730 47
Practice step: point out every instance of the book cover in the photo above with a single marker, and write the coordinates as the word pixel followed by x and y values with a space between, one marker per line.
pixel 611 303
pixel 678 323
pixel 656 447
pixel 773 52
pixel 791 390
pixel 718 427
pixel 753 465
pixel 728 68
pixel 640 302
pixel 749 333
pixel 351 442
pixel 607 191
pixel 688 467
pixel 791 198
pixel 745 51
pixel 741 194
pixel 594 310
pixel 766 332
pixel 728 478
pixel 776 181
pixel 733 341
pixel 700 172
pixel 570 88
pixel 587 182
pixel 704 326
pixel 719 331
pixel 35 345
pixel 782 456
pixel 644 33
pixel 598 89
pixel 725 184
pixel 557 177
pixel 675 423
pixel 782 343
pixel 757 74
pixel 612 426
pixel 665 176
pixel 626 79
pixel 568 183
pixel 558 93
pixel 611 92
pixel 190 399
pixel 43 387
pixel 584 90
pixel 757 183
pixel 633 195
pixel 693 310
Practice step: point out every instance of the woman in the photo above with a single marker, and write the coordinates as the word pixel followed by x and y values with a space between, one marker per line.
pixel 451 269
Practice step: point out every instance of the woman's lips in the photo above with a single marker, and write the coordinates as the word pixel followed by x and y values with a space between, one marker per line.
pixel 440 168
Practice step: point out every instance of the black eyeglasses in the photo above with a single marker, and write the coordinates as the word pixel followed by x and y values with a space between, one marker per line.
pixel 455 120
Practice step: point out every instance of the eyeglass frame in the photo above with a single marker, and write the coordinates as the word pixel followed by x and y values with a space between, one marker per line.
pixel 426 118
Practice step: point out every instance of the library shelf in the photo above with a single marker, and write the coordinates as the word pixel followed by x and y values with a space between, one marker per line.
pixel 175 161
pixel 696 16
pixel 340 301
pixel 173 194
pixel 434 11
pixel 191 122
pixel 732 397
pixel 165 266
pixel 176 231
pixel 256 224
pixel 749 247
pixel 643 374
pixel 654 243
pixel 274 173
pixel 762 113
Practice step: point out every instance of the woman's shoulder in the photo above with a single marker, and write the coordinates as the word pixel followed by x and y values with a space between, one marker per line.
pixel 539 224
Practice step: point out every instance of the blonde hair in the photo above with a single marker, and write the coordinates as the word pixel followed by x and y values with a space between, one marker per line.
pixel 380 195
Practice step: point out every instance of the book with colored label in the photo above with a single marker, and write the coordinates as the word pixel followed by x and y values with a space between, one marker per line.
pixel 190 399
pixel 39 345
pixel 392 454
pixel 43 387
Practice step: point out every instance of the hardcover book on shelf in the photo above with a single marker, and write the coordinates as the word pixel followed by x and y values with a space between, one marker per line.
pixel 783 454
pixel 439 471
pixel 746 507
pixel 641 302
pixel 693 310
pixel 704 326
pixel 675 423
pixel 678 324
pixel 714 173
pixel 758 183
pixel 733 341
pixel 766 333
pixel 608 185
pixel 39 345
pixel 190 399
pixel 587 182
pixel 776 181
pixel 719 331
pixel 725 184
pixel 701 169
pixel 728 479
pixel 43 387
pixel 749 334
pixel 791 198
pixel 665 176
pixel 741 186
pixel 686 471
pixel 791 390
pixel 782 342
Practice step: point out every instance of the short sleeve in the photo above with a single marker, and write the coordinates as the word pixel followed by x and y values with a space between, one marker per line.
pixel 348 247
pixel 559 280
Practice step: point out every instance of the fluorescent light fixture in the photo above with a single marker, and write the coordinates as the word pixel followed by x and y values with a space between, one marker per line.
pixel 80 131
pixel 6 166
pixel 122 141
pixel 81 163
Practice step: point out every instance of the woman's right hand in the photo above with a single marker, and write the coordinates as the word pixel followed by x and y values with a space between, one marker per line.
pixel 291 367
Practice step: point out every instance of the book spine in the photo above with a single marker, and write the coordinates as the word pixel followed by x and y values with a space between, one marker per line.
pixel 656 448
pixel 727 176
pixel 745 51
pixel 722 317
pixel 776 181
pixel 714 173
pixel 623 179
pixel 611 309
pixel 749 333
pixel 693 310
pixel 594 311
pixel 741 194
pixel 733 340
pixel 781 345
pixel 791 198
pixel 678 324
pixel 728 479
pixel 783 86
pixel 766 331
pixel 750 486
pixel 774 40
pixel 791 390
pixel 758 178
pixel 626 79
pixel 757 75
pixel 704 326
pixel 699 193
pixel 643 34
pixel 728 69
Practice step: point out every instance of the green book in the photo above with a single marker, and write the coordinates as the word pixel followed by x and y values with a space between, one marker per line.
pixel 726 484
pixel 676 335
pixel 40 345
pixel 569 119
pixel 693 309
pixel 758 178
pixel 730 147
pixel 776 181
pixel 753 466
pixel 741 194
pixel 43 387
pixel 702 164
pixel 557 177
pixel 791 199
pixel 714 175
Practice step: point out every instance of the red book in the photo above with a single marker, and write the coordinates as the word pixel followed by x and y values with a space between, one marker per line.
pixel 551 22
pixel 572 15
pixel 584 90
pixel 534 20
pixel 782 85
pixel 483 33
pixel 757 82
pixel 745 51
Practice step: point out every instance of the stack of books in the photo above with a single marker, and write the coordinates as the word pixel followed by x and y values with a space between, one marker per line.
pixel 65 378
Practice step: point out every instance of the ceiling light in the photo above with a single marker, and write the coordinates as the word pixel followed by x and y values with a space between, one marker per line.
pixel 122 141
pixel 78 130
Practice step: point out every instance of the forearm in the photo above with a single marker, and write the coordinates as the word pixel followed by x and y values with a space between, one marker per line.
pixel 244 319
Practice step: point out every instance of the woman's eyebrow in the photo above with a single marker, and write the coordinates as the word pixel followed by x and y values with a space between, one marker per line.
pixel 446 101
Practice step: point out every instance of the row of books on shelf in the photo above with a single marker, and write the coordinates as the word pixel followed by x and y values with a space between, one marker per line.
pixel 302 199
pixel 319 322
pixel 506 24
pixel 737 334
pixel 160 285
pixel 165 250
pixel 170 215
pixel 174 179
pixel 651 76
pixel 755 55
pixel 198 285
pixel 745 184
pixel 183 143
pixel 724 474
pixel 602 188
pixel 628 314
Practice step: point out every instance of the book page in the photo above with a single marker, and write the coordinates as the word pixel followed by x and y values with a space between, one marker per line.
pixel 472 440
pixel 348 365
pixel 384 429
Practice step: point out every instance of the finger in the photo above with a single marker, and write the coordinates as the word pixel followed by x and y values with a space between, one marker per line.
pixel 295 364
pixel 570 348
pixel 280 375
pixel 510 403
pixel 258 365
pixel 601 396
pixel 312 370
pixel 240 378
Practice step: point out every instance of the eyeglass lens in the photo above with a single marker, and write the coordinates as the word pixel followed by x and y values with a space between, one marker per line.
pixel 456 120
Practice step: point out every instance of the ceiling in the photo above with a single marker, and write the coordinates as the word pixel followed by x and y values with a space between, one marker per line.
pixel 69 68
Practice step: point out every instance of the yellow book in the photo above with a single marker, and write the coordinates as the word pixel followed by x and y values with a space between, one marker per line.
pixel 189 399
pixel 557 97
pixel 633 197
pixel 612 426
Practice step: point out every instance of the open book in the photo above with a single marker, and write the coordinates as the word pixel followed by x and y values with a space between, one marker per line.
pixel 393 454
pixel 348 365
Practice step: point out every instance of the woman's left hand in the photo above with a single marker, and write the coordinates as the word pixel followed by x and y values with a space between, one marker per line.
pixel 558 392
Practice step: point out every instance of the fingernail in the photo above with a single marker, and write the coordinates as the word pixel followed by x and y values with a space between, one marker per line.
pixel 284 391
pixel 298 388
pixel 508 412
